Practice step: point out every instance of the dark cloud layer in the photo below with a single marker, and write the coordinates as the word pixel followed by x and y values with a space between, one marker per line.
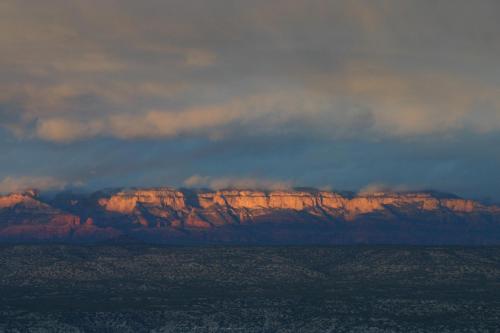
pixel 272 93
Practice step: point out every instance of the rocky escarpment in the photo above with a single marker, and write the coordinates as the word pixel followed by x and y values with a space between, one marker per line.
pixel 25 216
pixel 294 216
pixel 247 204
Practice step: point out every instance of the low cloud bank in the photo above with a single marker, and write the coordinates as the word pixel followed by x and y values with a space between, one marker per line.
pixel 218 183
pixel 19 184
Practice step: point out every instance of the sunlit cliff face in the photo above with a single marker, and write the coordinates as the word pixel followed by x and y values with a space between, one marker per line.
pixel 27 198
pixel 253 216
pixel 126 202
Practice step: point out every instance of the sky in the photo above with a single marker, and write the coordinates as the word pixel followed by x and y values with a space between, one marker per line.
pixel 341 95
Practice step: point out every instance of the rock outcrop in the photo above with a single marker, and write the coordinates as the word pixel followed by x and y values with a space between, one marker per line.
pixel 126 202
pixel 294 216
pixel 27 199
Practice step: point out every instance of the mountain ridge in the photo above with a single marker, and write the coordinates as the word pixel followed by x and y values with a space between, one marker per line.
pixel 170 215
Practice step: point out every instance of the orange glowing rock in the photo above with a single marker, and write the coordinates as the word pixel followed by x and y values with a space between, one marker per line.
pixel 127 201
pixel 165 212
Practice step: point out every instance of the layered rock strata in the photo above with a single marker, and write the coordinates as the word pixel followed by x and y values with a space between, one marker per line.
pixel 166 214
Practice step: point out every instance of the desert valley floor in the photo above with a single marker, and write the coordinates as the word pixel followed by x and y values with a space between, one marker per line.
pixel 142 288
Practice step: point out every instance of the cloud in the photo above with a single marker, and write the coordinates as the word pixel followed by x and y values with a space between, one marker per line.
pixel 199 57
pixel 414 103
pixel 218 183
pixel 63 130
pixel 287 112
pixel 320 91
pixel 17 184
pixel 343 69
pixel 197 181
pixel 362 102
pixel 382 188
pixel 151 124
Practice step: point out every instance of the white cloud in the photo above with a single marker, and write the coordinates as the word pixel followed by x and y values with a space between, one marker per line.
pixel 17 184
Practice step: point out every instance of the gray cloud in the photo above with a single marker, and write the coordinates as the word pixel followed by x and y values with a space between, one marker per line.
pixel 218 183
pixel 110 68
pixel 228 75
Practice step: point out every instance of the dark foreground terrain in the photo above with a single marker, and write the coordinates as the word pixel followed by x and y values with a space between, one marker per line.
pixel 136 288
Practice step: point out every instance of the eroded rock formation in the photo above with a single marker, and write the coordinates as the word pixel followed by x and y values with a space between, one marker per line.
pixel 126 202
pixel 165 214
